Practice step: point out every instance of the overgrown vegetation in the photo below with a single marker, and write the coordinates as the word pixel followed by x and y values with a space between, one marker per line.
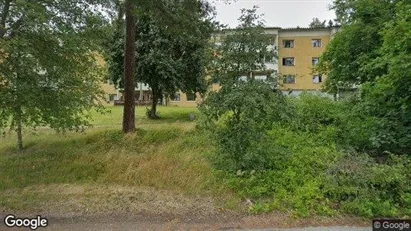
pixel 308 155
pixel 312 155
pixel 372 51
pixel 166 154
pixel 309 161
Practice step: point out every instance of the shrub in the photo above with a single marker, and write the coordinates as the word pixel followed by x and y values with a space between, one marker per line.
pixel 238 117
pixel 313 162
pixel 313 112
pixel 298 174
pixel 365 187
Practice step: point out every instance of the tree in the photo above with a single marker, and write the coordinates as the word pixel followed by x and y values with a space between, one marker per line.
pixel 388 97
pixel 316 23
pixel 239 115
pixel 129 70
pixel 244 50
pixel 168 59
pixel 48 69
pixel 372 51
pixel 349 58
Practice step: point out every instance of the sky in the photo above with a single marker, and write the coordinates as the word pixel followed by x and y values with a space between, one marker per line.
pixel 277 13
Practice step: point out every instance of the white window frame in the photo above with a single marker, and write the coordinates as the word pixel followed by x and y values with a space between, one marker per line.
pixel 315 41
pixel 292 43
pixel 319 79
pixel 179 97
pixel 312 61
pixel 195 98
pixel 287 76
pixel 284 58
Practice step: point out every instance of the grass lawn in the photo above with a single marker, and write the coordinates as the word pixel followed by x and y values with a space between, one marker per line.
pixel 164 154
pixel 168 115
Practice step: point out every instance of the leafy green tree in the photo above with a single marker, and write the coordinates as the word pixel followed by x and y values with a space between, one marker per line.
pixel 243 50
pixel 316 23
pixel 388 97
pixel 48 70
pixel 166 60
pixel 372 51
pixel 238 117
pixel 350 57
pixel 129 67
pixel 243 110
pixel 178 21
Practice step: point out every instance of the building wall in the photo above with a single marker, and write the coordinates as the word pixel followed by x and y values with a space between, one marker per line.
pixel 109 89
pixel 184 102
pixel 303 52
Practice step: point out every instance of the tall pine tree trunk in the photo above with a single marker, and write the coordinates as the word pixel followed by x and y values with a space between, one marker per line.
pixel 129 62
pixel 141 92
pixel 153 111
pixel 19 130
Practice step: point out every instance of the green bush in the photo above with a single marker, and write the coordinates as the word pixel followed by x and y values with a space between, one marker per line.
pixel 312 112
pixel 363 186
pixel 237 118
pixel 315 157
pixel 298 174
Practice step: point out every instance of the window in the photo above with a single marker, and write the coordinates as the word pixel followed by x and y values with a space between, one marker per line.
pixel 176 97
pixel 288 79
pixel 317 78
pixel 191 96
pixel 260 77
pixel 315 61
pixel 112 97
pixel 243 78
pixel 288 61
pixel 316 42
pixel 288 43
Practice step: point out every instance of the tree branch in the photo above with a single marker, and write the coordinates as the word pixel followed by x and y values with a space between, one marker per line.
pixel 3 18
pixel 16 26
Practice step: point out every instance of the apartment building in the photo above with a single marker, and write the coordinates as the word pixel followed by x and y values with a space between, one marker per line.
pixel 298 51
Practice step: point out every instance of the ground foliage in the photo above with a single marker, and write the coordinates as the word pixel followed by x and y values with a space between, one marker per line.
pixel 312 155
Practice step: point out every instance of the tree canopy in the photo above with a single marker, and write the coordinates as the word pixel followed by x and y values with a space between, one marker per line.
pixel 48 69
pixel 243 50
pixel 316 23
pixel 239 114
pixel 168 58
pixel 350 57
pixel 372 53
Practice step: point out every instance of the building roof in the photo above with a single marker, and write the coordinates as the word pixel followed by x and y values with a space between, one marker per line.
pixel 291 28
pixel 309 28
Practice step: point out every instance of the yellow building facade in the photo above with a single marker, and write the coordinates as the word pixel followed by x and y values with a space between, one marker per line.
pixel 298 51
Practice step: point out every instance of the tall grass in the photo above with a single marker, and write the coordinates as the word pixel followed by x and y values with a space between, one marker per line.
pixel 167 154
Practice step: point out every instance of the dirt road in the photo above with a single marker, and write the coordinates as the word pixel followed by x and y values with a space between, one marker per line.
pixel 69 207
